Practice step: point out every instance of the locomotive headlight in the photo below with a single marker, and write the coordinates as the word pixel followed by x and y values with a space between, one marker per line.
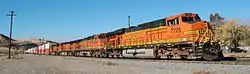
pixel 184 39
pixel 207 38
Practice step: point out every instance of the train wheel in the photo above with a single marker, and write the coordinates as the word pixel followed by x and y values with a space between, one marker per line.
pixel 74 54
pixel 199 59
pixel 170 56
pixel 209 56
pixel 117 56
pixel 184 57
pixel 156 53
pixel 107 56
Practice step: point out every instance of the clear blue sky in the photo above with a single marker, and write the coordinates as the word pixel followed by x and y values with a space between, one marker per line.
pixel 64 20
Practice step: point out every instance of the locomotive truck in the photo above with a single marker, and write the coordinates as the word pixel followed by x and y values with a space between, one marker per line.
pixel 183 36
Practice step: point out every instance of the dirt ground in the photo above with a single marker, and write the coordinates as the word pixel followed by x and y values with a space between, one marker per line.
pixel 243 55
pixel 35 64
pixel 4 51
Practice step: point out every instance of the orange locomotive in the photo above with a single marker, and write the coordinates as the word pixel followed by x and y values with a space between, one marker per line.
pixel 182 36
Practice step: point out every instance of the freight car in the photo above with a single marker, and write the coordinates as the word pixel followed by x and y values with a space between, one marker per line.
pixel 183 36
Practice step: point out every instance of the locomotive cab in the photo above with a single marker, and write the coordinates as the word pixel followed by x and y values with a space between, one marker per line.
pixel 188 28
pixel 193 34
pixel 195 29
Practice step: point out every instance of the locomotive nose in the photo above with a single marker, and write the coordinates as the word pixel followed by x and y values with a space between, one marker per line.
pixel 202 25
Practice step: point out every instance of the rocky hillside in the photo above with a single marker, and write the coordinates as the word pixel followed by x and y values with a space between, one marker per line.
pixel 4 38
pixel 39 41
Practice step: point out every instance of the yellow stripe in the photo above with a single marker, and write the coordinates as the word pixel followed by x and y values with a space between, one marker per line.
pixel 190 32
pixel 150 29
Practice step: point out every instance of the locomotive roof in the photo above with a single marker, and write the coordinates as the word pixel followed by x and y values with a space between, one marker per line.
pixel 118 31
pixel 74 41
pixel 150 24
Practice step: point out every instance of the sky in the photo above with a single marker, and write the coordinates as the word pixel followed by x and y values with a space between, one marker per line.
pixel 66 20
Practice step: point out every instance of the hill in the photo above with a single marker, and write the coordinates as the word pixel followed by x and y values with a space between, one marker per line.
pixel 4 38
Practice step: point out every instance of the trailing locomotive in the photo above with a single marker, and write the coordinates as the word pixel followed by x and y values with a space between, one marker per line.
pixel 183 36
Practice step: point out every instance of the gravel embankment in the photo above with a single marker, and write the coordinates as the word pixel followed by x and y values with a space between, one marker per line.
pixel 34 64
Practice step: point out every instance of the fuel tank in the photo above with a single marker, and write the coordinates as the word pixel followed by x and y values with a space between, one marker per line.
pixel 138 53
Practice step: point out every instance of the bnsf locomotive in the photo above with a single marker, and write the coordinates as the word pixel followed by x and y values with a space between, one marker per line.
pixel 183 36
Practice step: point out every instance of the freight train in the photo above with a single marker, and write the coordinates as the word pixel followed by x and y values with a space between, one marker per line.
pixel 183 36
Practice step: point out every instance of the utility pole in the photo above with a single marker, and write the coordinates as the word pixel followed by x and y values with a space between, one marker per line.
pixel 11 19
pixel 129 21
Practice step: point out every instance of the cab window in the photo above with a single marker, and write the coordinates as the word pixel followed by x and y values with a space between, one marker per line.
pixel 191 20
pixel 197 19
pixel 173 22
pixel 101 37
pixel 188 20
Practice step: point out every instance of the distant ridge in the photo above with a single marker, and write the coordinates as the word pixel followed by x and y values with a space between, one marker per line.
pixel 39 41
pixel 4 38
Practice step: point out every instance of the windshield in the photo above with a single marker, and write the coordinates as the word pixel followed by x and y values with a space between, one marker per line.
pixel 197 19
pixel 101 37
pixel 191 20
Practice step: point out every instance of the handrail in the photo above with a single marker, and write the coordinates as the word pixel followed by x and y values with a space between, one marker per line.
pixel 203 35
pixel 197 37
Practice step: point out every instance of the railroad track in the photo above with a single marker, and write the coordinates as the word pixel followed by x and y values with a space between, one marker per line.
pixel 227 61
pixel 204 62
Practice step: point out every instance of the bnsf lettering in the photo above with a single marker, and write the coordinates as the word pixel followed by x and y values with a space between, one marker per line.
pixel 176 30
